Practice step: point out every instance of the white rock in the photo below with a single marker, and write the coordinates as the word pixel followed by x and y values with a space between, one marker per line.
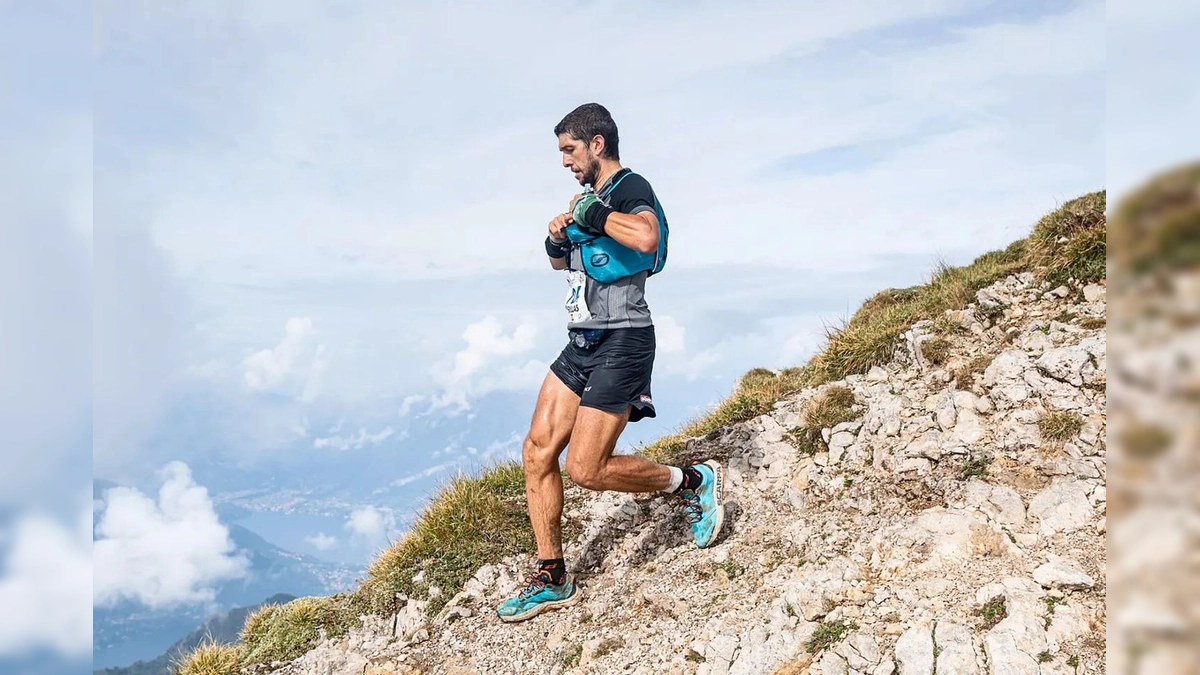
pixel 914 651
pixel 885 668
pixel 956 650
pixel 1009 366
pixel 833 664
pixel 1062 573
pixel 968 429
pixel 920 465
pixel 877 374
pixel 1065 363
pixel 1062 507
pixel 1013 645
pixel 841 439
pixel 1094 293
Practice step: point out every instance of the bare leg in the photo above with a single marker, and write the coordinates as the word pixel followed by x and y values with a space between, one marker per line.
pixel 591 464
pixel 549 431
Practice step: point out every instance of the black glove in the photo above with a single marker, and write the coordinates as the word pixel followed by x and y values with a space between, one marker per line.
pixel 556 249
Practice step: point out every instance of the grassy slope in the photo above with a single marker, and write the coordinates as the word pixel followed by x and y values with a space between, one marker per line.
pixel 474 521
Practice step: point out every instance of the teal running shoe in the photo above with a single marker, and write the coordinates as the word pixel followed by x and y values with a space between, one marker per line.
pixel 703 505
pixel 539 596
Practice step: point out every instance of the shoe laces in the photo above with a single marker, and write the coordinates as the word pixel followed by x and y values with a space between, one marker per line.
pixel 534 584
pixel 691 506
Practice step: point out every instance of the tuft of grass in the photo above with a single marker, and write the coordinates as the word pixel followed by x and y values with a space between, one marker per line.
pixel 732 568
pixel 471 522
pixel 757 393
pixel 975 467
pixel 828 409
pixel 1093 322
pixel 695 657
pixel 1145 440
pixel 1157 227
pixel 571 654
pixel 869 337
pixel 286 632
pixel 936 350
pixel 1071 241
pixel 1045 657
pixel 1073 661
pixel 607 647
pixel 992 612
pixel 827 634
pixel 210 658
pixel 966 373
pixel 1059 425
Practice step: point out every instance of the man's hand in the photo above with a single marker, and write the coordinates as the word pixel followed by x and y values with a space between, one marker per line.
pixel 590 214
pixel 558 227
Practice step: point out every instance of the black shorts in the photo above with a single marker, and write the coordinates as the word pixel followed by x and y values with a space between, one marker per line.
pixel 613 374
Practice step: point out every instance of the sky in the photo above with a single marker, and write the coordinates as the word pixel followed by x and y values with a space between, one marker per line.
pixel 306 233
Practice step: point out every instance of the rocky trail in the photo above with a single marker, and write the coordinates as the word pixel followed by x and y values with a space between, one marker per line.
pixel 953 524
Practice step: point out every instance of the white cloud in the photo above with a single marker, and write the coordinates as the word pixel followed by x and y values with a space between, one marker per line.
pixel 270 369
pixel 487 365
pixel 372 524
pixel 46 587
pixel 360 440
pixel 322 541
pixel 401 482
pixel 163 553
pixel 669 335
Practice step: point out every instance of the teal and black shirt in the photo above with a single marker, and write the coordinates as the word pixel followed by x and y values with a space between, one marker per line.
pixel 621 304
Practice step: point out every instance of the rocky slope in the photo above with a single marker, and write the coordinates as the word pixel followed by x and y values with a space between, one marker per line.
pixel 954 525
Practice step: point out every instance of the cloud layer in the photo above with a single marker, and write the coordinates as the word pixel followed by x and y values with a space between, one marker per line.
pixel 165 552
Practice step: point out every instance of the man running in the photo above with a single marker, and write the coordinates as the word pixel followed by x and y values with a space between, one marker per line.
pixel 601 379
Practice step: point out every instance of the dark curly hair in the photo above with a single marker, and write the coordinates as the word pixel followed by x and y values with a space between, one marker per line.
pixel 588 121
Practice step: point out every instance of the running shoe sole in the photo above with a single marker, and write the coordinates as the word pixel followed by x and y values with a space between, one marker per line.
pixel 718 499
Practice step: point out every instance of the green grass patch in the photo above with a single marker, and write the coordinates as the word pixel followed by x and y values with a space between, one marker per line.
pixel 828 409
pixel 1071 241
pixel 828 634
pixel 975 467
pixel 1156 228
pixel 992 612
pixel 936 350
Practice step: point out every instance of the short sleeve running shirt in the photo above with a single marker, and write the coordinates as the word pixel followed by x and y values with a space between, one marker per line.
pixel 621 304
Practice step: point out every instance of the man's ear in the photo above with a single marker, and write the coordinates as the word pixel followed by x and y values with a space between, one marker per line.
pixel 598 145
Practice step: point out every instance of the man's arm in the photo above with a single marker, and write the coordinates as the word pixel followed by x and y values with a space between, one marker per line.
pixel 638 231
pixel 557 243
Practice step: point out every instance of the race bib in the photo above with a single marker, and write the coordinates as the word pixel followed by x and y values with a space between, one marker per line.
pixel 577 309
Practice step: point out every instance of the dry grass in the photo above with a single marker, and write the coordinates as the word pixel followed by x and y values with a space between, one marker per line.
pixel 285 632
pixel 757 393
pixel 828 409
pixel 1059 425
pixel 966 373
pixel 1144 440
pixel 469 523
pixel 1157 228
pixel 1071 242
pixel 210 658
pixel 936 350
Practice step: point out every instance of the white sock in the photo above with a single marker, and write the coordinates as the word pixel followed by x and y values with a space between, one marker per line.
pixel 676 479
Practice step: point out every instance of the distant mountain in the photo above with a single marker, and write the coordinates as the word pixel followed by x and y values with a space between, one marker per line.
pixel 222 628
pixel 130 631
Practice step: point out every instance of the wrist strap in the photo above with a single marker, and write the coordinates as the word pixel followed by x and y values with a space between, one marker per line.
pixel 556 249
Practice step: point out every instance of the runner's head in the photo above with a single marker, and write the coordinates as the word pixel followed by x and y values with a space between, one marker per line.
pixel 586 136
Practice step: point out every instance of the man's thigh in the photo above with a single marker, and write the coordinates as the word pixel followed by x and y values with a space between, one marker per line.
pixel 554 415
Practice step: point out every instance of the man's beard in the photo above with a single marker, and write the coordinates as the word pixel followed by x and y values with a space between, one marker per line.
pixel 591 173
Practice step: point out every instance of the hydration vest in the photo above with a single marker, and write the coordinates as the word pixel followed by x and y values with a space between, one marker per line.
pixel 607 260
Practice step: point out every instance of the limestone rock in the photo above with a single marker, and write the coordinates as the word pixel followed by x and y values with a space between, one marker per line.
pixel 956 651
pixel 914 651
pixel 1062 507
pixel 1062 573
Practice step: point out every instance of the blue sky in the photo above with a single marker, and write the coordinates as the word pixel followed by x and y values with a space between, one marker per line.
pixel 315 229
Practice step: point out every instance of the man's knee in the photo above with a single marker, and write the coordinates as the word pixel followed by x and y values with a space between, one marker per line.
pixel 587 475
pixel 539 453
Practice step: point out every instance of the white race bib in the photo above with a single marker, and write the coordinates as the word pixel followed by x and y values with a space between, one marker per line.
pixel 577 309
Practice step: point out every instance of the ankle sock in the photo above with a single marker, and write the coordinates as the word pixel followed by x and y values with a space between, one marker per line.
pixel 692 479
pixel 555 567
pixel 676 479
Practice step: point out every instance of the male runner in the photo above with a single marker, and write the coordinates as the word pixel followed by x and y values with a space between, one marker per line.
pixel 601 380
